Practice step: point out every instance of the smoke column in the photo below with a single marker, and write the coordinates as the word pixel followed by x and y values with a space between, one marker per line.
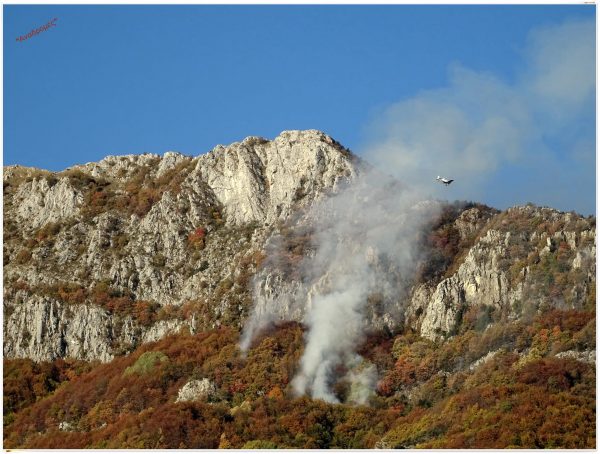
pixel 365 245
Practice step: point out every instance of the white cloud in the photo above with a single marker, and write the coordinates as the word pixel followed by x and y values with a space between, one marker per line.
pixel 562 71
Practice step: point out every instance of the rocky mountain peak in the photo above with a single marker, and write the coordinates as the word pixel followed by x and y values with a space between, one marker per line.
pixel 261 180
pixel 150 231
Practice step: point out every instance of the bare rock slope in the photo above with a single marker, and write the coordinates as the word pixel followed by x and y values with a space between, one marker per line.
pixel 103 256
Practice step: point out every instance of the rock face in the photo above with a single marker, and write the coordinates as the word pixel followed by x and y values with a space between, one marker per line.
pixel 586 356
pixel 508 270
pixel 104 256
pixel 195 390
pixel 41 329
pixel 258 180
pixel 39 203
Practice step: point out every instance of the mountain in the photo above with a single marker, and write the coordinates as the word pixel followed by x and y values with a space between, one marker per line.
pixel 127 283
pixel 102 257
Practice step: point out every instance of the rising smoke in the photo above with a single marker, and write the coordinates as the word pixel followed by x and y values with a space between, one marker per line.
pixel 366 236
pixel 364 251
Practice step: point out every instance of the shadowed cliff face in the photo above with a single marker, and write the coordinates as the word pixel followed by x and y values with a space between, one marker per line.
pixel 106 256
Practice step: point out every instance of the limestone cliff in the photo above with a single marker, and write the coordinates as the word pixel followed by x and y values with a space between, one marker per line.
pixel 512 267
pixel 103 256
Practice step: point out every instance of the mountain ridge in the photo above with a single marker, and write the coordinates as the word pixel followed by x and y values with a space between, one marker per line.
pixel 128 285
pixel 113 215
pixel 142 254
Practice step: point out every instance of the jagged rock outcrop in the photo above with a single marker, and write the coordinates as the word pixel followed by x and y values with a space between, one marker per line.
pixel 260 180
pixel 586 356
pixel 41 202
pixel 42 329
pixel 484 359
pixel 505 270
pixel 197 390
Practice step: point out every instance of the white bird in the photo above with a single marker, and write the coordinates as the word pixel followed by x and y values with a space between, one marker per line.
pixel 444 180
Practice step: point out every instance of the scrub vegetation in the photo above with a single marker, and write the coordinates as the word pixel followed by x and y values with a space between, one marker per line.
pixel 428 396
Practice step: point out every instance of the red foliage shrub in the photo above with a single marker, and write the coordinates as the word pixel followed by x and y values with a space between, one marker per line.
pixel 25 381
pixel 554 374
pixel 197 237
pixel 569 320
pixel 388 384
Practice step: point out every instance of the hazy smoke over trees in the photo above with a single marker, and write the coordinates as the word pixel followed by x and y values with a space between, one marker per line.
pixel 365 247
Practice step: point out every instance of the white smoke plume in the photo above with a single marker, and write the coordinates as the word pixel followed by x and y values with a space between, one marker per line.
pixel 363 378
pixel 365 241
pixel 365 251
pixel 366 245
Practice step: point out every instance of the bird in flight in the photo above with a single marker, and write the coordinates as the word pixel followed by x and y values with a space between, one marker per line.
pixel 444 180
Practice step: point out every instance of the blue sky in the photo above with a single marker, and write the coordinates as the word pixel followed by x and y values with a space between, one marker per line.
pixel 134 79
